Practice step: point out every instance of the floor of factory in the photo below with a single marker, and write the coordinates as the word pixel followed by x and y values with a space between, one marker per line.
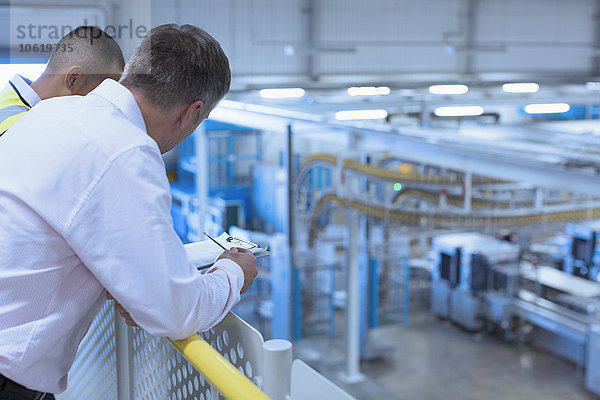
pixel 436 360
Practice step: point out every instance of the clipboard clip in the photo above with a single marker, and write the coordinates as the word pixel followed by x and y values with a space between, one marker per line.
pixel 241 243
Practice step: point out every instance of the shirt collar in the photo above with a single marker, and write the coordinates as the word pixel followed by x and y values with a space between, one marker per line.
pixel 123 99
pixel 22 86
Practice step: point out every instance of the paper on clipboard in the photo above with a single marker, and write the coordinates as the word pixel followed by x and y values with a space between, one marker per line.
pixel 204 253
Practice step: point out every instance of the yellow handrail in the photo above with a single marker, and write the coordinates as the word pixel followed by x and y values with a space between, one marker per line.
pixel 221 373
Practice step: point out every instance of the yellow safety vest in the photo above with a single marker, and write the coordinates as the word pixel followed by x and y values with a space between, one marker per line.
pixel 12 107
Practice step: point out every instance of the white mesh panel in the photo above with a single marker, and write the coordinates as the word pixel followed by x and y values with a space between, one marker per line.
pixel 159 371
pixel 93 374
pixel 239 343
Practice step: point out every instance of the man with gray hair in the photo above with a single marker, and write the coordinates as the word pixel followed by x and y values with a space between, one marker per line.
pixel 169 74
pixel 86 210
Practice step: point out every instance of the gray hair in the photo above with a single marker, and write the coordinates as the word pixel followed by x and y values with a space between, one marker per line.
pixel 175 65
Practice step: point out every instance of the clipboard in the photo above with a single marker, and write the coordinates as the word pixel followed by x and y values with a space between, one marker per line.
pixel 203 254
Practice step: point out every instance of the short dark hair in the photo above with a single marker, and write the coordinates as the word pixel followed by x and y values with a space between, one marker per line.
pixel 176 65
pixel 90 48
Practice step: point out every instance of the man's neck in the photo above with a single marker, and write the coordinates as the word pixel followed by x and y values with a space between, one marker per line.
pixel 153 116
pixel 43 86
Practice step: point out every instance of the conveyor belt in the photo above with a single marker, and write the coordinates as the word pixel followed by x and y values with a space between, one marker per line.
pixel 551 321
pixel 447 219
pixel 387 160
pixel 564 282
pixel 384 174
pixel 456 201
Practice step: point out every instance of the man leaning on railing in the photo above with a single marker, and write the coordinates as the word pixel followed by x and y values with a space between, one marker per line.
pixel 85 209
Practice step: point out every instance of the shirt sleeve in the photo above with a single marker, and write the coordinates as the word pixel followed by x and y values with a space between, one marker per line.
pixel 123 233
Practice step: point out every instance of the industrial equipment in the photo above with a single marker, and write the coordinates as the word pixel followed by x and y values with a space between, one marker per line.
pixel 480 280
pixel 460 280
pixel 503 286
pixel 583 259
pixel 563 309
pixel 188 216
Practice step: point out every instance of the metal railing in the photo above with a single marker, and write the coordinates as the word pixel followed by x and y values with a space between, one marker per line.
pixel 115 361
pixel 221 373
pixel 229 361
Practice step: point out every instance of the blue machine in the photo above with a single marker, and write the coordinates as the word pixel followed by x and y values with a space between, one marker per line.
pixel 461 277
pixel 583 259
pixel 183 205
pixel 554 309
pixel 231 152
pixel 187 219
pixel 269 197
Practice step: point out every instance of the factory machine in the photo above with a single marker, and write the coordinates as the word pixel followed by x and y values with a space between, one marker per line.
pixel 480 280
pixel 460 280
pixel 583 259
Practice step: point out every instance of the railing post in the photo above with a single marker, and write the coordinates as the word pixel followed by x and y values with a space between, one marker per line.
pixel 353 307
pixel 124 362
pixel 373 293
pixel 277 368
pixel 296 303
pixel 214 393
pixel 468 190
pixel 406 308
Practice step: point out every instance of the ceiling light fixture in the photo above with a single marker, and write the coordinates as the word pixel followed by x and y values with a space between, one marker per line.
pixel 551 108
pixel 360 114
pixel 368 91
pixel 459 111
pixel 283 93
pixel 592 85
pixel 521 87
pixel 448 89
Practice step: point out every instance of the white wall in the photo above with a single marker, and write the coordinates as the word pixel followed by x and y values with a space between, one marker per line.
pixel 539 35
pixel 369 40
pixel 387 36
pixel 381 38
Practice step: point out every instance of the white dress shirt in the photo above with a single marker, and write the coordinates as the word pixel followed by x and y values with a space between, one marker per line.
pixel 84 207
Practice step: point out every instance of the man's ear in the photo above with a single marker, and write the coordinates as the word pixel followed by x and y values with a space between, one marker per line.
pixel 73 79
pixel 190 113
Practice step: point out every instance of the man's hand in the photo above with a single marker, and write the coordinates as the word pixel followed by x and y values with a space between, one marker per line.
pixel 246 260
pixel 119 308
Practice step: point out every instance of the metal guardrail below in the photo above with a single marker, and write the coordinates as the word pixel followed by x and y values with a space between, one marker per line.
pixel 230 361
pixel 227 379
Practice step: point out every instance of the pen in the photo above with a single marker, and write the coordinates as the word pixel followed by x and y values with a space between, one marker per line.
pixel 220 245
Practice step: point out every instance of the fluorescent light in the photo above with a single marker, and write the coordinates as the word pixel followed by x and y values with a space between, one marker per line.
pixel 592 85
pixel 281 93
pixel 521 87
pixel 448 89
pixel 360 114
pixel 552 108
pixel 29 71
pixel 459 111
pixel 369 91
